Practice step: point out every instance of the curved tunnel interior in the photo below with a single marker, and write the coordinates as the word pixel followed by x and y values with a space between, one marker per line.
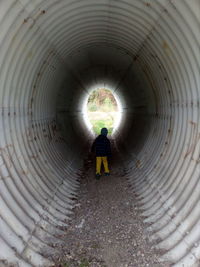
pixel 112 68
pixel 52 54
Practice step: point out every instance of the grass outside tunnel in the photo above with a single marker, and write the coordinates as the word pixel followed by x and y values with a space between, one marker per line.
pixel 99 124
pixel 102 110
pixel 100 120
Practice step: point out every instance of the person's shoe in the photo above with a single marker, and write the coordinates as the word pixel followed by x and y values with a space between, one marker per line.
pixel 98 176
pixel 107 173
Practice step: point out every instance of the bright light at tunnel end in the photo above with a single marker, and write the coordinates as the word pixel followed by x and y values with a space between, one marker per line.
pixel 118 118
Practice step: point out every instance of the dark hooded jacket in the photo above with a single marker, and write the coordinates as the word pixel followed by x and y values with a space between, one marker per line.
pixel 101 146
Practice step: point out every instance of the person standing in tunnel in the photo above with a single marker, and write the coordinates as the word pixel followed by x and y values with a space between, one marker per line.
pixel 102 149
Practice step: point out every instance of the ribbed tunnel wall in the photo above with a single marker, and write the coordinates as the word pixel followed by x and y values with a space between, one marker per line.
pixel 52 53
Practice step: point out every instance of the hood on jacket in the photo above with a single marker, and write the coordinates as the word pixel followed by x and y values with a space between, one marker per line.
pixel 104 131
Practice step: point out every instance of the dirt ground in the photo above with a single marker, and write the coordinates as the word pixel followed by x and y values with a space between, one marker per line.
pixel 106 228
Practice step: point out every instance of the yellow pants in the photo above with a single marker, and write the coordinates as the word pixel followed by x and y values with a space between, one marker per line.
pixel 98 164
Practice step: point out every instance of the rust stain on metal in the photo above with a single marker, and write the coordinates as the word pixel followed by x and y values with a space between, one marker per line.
pixel 7 154
pixel 147 4
pixel 25 20
pixel 138 164
pixel 24 172
pixel 193 123
pixel 168 51
pixel 195 138
pixel 165 45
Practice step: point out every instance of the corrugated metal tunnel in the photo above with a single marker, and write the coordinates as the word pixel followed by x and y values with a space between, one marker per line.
pixel 52 53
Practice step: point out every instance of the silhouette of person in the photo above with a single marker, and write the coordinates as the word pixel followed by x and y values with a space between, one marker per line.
pixel 102 149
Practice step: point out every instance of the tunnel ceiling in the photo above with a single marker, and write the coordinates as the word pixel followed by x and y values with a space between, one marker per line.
pixel 52 53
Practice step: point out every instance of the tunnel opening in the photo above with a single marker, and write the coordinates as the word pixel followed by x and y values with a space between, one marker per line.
pixel 102 110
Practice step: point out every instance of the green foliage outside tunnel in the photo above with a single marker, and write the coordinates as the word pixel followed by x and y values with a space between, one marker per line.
pixel 102 110
pixel 99 124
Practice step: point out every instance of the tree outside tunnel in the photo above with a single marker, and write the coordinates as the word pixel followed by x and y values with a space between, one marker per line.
pixel 102 110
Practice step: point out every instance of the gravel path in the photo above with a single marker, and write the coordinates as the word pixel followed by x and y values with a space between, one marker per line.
pixel 106 228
